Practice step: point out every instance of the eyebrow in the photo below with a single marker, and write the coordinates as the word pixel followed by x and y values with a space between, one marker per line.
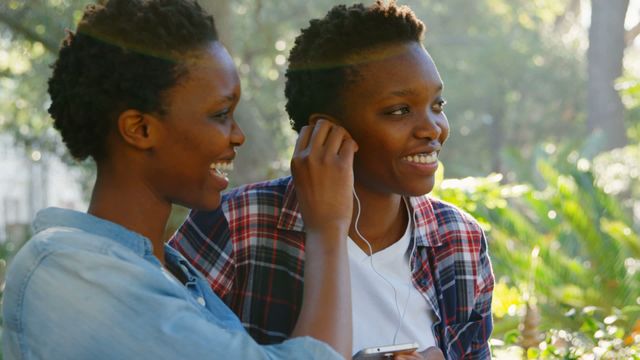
pixel 410 92
pixel 223 100
pixel 228 98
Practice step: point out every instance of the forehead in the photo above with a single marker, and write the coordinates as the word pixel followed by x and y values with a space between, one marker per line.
pixel 209 76
pixel 209 62
pixel 393 68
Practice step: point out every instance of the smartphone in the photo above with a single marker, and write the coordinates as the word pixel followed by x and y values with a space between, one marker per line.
pixel 385 352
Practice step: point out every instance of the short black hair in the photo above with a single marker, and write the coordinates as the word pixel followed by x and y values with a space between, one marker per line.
pixel 124 54
pixel 318 70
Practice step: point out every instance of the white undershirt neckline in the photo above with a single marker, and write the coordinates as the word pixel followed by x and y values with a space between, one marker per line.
pixel 375 309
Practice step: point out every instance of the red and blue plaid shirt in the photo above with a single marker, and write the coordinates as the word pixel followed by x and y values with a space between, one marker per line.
pixel 251 250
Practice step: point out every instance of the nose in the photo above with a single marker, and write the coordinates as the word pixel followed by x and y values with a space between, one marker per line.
pixel 237 135
pixel 432 126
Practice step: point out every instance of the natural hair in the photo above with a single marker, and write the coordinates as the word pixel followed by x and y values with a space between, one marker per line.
pixel 318 64
pixel 124 55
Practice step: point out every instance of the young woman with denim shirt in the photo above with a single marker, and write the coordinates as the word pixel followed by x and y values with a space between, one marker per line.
pixel 145 88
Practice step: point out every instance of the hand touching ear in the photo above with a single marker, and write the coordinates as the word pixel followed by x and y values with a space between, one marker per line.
pixel 322 169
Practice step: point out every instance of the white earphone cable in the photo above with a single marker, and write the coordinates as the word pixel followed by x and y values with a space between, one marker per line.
pixel 395 292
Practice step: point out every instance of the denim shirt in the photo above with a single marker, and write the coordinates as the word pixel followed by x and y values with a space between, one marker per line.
pixel 86 288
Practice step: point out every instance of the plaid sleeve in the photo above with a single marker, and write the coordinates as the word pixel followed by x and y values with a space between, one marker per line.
pixel 469 324
pixel 204 240
pixel 485 281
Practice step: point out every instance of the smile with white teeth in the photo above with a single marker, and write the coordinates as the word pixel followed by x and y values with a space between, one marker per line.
pixel 422 158
pixel 221 168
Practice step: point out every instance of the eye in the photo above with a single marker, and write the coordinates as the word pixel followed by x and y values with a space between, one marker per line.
pixel 438 107
pixel 399 111
pixel 221 115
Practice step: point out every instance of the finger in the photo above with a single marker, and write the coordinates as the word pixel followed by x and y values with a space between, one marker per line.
pixel 347 150
pixel 433 353
pixel 335 138
pixel 303 139
pixel 411 356
pixel 319 135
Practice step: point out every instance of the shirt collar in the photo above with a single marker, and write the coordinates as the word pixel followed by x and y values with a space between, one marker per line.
pixel 290 217
pixel 56 217
pixel 426 224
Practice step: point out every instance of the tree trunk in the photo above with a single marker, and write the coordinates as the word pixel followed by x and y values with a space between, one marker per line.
pixel 605 111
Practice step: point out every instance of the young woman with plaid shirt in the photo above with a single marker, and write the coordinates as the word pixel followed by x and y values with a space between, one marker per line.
pixel 420 270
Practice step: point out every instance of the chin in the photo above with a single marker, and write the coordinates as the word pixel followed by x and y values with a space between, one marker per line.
pixel 420 189
pixel 211 205
pixel 205 203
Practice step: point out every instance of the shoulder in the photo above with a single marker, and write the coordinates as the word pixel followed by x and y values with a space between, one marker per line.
pixel 212 232
pixel 252 197
pixel 267 197
pixel 452 224
pixel 66 249
pixel 448 214
pixel 69 242
pixel 265 191
pixel 58 261
pixel 89 280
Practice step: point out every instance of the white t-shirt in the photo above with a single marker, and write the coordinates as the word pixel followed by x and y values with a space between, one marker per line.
pixel 375 313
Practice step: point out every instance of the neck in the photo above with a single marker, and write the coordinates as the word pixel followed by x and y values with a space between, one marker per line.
pixel 125 200
pixel 383 219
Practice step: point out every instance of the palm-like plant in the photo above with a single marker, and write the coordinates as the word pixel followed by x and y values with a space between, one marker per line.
pixel 587 251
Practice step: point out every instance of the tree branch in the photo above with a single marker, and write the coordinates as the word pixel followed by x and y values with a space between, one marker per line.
pixel 19 28
pixel 631 34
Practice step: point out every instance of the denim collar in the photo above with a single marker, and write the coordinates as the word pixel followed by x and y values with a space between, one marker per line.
pixel 57 217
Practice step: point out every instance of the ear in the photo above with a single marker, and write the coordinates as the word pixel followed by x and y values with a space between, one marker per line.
pixel 313 119
pixel 138 129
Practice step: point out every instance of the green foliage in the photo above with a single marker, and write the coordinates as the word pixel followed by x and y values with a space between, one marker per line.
pixel 30 33
pixel 567 245
pixel 629 87
pixel 513 74
pixel 618 174
pixel 601 336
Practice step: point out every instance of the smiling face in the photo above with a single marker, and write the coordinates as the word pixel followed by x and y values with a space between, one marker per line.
pixel 197 133
pixel 394 111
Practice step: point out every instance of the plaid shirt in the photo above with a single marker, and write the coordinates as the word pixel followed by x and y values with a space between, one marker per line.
pixel 251 250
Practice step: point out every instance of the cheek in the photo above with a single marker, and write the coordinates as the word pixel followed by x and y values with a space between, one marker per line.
pixel 218 139
pixel 208 140
pixel 377 153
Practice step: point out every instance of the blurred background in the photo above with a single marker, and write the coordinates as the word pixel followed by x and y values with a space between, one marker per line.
pixel 544 106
